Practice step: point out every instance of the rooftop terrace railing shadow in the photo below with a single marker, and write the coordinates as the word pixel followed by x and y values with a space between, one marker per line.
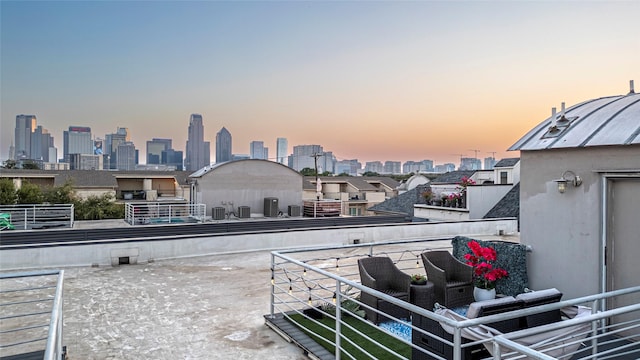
pixel 315 283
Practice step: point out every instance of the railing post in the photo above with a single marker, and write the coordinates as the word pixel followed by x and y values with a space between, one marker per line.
pixel 273 287
pixel 338 318
pixel 496 350
pixel 457 342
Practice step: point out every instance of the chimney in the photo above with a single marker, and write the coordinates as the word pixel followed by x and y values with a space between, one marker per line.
pixel 563 120
pixel 631 90
pixel 553 127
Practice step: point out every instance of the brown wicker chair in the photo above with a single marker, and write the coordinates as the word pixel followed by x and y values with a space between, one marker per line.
pixel 380 273
pixel 453 279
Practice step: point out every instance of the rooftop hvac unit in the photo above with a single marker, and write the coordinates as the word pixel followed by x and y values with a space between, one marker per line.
pixel 294 210
pixel 217 213
pixel 244 212
pixel 270 207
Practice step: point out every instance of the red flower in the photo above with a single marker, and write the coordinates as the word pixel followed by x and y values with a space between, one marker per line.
pixel 482 259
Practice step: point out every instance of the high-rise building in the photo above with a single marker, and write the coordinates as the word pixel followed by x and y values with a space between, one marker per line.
pixel 258 151
pixel 126 156
pixel 77 140
pixel 25 126
pixel 282 148
pixel 489 162
pixel 198 150
pixel 172 157
pixel 392 167
pixel 303 157
pixel 349 167
pixel 374 166
pixel 155 147
pixel 470 164
pixel 223 146
pixel 111 147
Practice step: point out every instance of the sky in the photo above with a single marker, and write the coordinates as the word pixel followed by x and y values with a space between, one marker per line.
pixel 367 80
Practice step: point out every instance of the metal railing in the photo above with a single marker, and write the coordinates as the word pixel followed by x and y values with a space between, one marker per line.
pixel 159 213
pixel 31 314
pixel 25 217
pixel 325 281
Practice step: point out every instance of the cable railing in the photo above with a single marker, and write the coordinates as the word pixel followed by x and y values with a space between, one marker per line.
pixel 27 217
pixel 31 314
pixel 159 213
pixel 318 290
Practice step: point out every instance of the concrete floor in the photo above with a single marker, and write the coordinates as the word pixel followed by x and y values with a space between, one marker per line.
pixel 198 308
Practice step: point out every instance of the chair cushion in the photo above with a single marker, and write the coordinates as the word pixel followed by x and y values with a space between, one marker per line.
pixel 474 308
pixel 536 296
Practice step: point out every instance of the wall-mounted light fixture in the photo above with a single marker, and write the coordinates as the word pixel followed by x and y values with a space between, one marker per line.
pixel 572 179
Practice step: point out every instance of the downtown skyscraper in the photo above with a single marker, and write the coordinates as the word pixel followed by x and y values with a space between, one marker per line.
pixel 223 146
pixel 198 151
pixel 25 126
pixel 281 150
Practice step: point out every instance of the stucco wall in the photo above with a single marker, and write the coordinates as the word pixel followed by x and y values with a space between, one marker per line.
pixel 482 198
pixel 564 229
pixel 247 183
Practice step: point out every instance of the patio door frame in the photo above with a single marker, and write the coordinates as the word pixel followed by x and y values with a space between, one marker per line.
pixel 608 179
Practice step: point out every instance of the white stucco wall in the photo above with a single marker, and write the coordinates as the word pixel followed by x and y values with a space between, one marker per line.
pixel 247 183
pixel 564 230
pixel 482 198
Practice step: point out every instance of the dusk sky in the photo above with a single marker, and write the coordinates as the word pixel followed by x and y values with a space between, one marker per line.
pixel 367 80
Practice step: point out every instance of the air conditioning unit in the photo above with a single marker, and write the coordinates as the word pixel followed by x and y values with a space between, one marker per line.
pixel 244 212
pixel 270 207
pixel 294 210
pixel 217 213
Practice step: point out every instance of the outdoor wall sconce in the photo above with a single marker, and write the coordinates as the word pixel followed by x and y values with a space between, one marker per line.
pixel 573 179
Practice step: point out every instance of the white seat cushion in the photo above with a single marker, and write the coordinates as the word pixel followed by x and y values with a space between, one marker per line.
pixel 534 295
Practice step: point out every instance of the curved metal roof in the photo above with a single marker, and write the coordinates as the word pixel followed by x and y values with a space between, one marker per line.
pixel 613 120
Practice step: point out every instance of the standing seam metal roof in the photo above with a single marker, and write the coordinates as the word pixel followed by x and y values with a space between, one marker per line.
pixel 613 120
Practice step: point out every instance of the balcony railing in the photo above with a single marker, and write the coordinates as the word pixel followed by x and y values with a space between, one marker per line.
pixel 324 280
pixel 31 314
pixel 158 213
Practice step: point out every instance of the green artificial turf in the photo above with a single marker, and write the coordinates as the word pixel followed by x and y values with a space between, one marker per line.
pixel 319 334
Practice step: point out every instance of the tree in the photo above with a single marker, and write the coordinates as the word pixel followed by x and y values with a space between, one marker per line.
pixel 8 194
pixel 343 174
pixel 308 172
pixel 370 173
pixel 9 164
pixel 60 194
pixel 29 194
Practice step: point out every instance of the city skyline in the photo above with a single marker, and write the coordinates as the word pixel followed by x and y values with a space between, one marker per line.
pixel 385 81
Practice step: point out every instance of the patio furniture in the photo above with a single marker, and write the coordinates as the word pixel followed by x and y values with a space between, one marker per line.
pixel 422 295
pixel 380 273
pixel 542 297
pixel 452 278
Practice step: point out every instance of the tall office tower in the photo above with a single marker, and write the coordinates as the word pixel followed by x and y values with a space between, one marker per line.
pixel 349 167
pixel 470 164
pixel 172 157
pixel 258 151
pixel 25 126
pixel 303 157
pixel 223 146
pixel 411 167
pixel 126 156
pixel 111 147
pixel 374 166
pixel 282 148
pixel 198 150
pixel 392 167
pixel 41 141
pixel 155 147
pixel 77 140
pixel 427 165
pixel 489 162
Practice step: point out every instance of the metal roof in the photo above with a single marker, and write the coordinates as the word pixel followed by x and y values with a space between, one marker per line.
pixel 613 120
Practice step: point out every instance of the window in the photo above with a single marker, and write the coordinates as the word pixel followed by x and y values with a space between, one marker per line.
pixel 503 177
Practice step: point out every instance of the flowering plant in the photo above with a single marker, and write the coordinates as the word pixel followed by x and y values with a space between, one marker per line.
pixel 465 181
pixel 482 259
pixel 418 279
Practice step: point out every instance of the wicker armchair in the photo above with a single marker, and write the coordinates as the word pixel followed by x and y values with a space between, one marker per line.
pixel 380 273
pixel 453 279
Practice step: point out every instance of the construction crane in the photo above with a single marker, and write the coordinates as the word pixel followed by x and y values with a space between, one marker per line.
pixel 476 153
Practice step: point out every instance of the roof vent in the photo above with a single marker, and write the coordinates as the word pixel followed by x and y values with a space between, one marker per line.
pixel 563 119
pixel 631 90
pixel 554 126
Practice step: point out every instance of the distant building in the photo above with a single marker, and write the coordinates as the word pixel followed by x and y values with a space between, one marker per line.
pixel 374 166
pixel 349 167
pixel 235 157
pixel 198 150
pixel 25 126
pixel 489 162
pixel 303 157
pixel 155 147
pixel 111 146
pixel 257 150
pixel 417 166
pixel 172 158
pixel 85 162
pixel 282 149
pixel 470 164
pixel 126 155
pixel 392 167
pixel 223 146
pixel 77 140
pixel 445 168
